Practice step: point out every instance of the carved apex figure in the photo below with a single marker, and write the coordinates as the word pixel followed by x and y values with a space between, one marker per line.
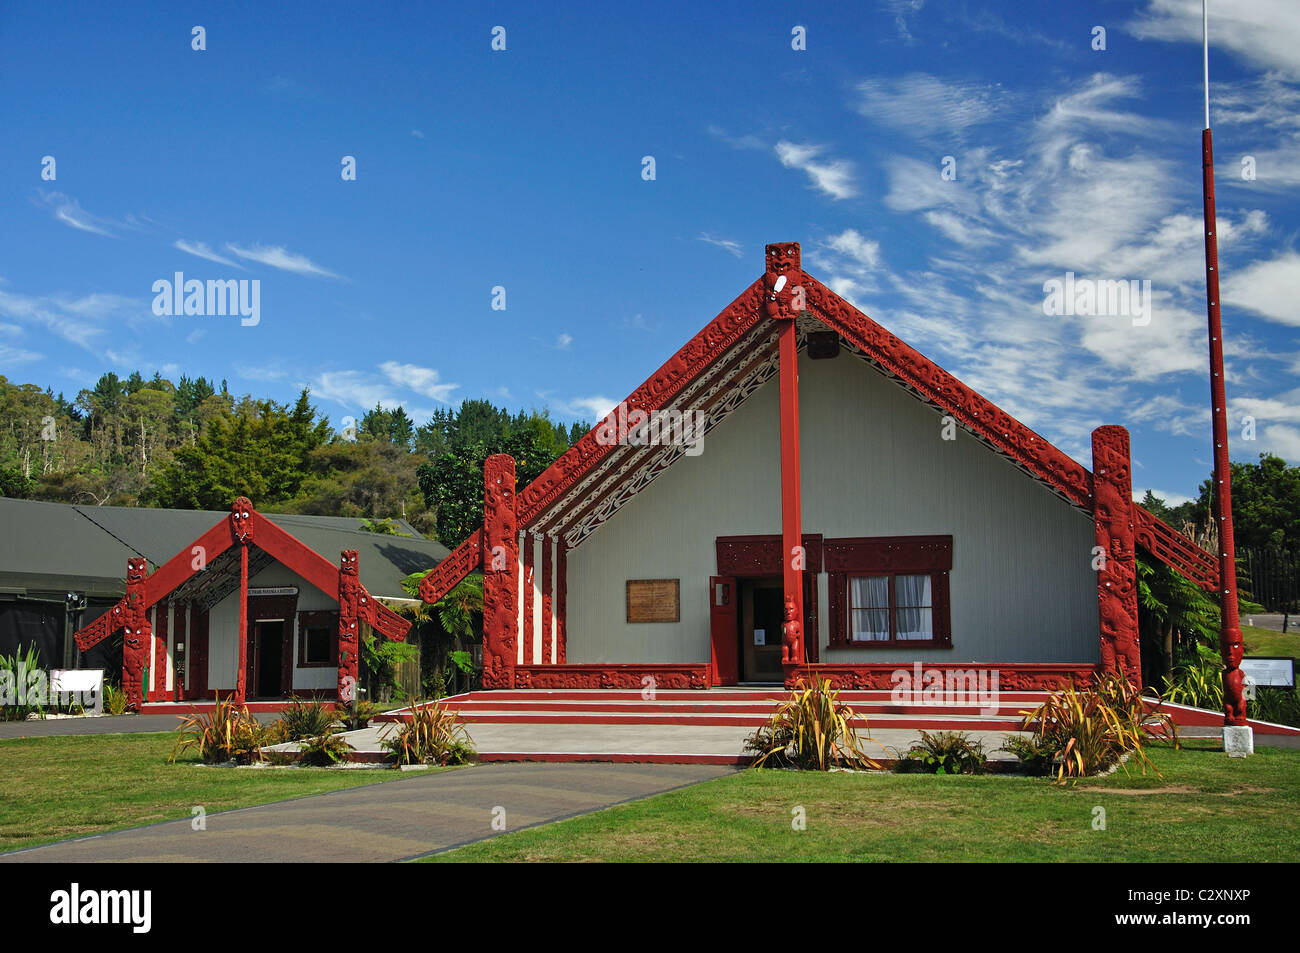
pixel 241 515
pixel 791 635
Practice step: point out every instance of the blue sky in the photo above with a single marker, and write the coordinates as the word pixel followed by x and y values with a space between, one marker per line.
pixel 522 169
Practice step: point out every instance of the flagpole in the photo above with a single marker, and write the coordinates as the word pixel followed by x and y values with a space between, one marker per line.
pixel 1237 738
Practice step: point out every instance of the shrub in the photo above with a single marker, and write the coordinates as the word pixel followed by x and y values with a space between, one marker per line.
pixel 1279 705
pixel 305 719
pixel 13 676
pixel 1198 681
pixel 944 752
pixel 225 734
pixel 431 734
pixel 1089 731
pixel 114 700
pixel 812 730
pixel 355 718
pixel 323 750
pixel 1034 758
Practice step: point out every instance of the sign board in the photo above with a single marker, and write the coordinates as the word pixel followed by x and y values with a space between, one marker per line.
pixel 274 591
pixel 760 636
pixel 1269 671
pixel 654 600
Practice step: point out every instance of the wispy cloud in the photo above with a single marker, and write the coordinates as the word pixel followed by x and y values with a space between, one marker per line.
pixel 834 177
pixel 68 210
pixel 277 256
pixel 564 342
pixel 1264 33
pixel 201 250
pixel 424 381
pixel 923 104
pixel 723 243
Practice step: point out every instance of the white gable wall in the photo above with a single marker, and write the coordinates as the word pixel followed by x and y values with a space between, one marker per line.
pixel 874 464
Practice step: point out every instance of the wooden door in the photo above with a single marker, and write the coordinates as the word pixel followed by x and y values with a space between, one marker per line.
pixel 723 631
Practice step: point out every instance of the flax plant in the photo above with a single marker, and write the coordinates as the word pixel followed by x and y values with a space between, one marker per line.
pixel 812 730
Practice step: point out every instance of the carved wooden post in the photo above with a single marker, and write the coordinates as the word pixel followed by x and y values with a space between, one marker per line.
pixel 1112 507
pixel 349 624
pixel 241 526
pixel 561 600
pixel 783 303
pixel 500 572
pixel 137 633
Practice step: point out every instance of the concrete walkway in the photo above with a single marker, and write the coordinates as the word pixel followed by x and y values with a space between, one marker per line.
pixel 383 822
pixel 102 725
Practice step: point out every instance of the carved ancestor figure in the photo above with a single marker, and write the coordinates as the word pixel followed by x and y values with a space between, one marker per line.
pixel 349 632
pixel 791 635
pixel 136 633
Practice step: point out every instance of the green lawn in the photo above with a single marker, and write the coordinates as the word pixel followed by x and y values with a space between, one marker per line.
pixel 1266 642
pixel 55 788
pixel 1207 807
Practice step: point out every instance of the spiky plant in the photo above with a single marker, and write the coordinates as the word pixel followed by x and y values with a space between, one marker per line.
pixel 812 730
pixel 430 734
pixel 227 733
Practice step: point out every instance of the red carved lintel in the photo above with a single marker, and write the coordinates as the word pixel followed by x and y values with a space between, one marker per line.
pixel 1117 577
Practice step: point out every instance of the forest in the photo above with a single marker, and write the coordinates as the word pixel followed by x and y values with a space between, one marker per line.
pixel 191 444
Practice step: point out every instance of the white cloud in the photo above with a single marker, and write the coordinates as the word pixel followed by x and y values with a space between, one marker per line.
pixel 424 381
pixel 723 243
pixel 589 408
pixel 201 250
pixel 834 178
pixel 925 105
pixel 277 256
pixel 564 342
pixel 67 210
pixel 1264 33
pixel 1269 288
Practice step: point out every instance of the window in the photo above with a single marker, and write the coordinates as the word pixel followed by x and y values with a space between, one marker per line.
pixel 318 639
pixel 894 608
pixel 889 592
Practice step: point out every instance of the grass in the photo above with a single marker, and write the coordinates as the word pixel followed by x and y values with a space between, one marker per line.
pixel 60 787
pixel 1266 642
pixel 1207 807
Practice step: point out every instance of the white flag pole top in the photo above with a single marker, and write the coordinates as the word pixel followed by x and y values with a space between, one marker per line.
pixel 1205 45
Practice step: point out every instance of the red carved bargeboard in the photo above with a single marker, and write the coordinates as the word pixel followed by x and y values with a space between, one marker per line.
pixel 613 676
pixel 878 676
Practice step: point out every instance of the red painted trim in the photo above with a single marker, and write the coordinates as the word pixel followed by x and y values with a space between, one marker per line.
pixel 611 676
pixel 463 560
pixel 1117 596
pixel 783 268
pixel 749 556
pixel 905 554
pixel 878 676
pixel 530 555
pixel 181 567
pixel 548 604
pixel 500 572
pixel 561 600
pixel 161 657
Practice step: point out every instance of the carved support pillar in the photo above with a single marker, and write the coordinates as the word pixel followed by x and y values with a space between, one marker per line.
pixel 137 633
pixel 349 625
pixel 241 528
pixel 500 572
pixel 530 549
pixel 1116 562
pixel 548 604
pixel 561 600
pixel 784 304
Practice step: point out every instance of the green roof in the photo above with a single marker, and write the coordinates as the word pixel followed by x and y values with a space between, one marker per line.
pixel 60 546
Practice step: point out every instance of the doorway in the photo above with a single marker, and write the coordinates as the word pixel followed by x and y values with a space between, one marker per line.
pixel 761 618
pixel 268 666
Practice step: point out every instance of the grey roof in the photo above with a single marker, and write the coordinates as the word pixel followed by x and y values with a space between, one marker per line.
pixel 59 546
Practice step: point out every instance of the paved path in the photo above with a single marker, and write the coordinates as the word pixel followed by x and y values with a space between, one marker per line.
pixel 383 822
pixel 103 725
pixel 1273 622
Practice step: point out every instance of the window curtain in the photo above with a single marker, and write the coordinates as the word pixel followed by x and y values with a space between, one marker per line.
pixel 869 598
pixel 914 604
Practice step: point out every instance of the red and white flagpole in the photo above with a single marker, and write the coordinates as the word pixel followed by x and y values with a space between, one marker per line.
pixel 1236 734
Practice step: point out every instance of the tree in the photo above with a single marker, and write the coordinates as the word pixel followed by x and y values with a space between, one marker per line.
pixel 1265 503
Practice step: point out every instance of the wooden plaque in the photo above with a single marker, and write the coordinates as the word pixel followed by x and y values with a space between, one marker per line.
pixel 654 600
